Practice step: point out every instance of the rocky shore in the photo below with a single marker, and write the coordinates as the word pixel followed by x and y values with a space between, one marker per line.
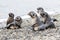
pixel 26 33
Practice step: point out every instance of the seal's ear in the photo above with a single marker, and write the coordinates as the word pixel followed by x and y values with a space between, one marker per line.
pixel 29 13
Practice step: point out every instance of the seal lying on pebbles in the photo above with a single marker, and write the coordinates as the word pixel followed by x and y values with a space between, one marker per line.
pixel 10 18
pixel 47 20
pixel 15 24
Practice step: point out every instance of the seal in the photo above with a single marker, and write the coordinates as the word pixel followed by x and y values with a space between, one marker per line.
pixel 33 16
pixel 19 21
pixel 10 18
pixel 47 20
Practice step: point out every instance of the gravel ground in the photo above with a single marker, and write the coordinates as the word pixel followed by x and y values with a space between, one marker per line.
pixel 27 34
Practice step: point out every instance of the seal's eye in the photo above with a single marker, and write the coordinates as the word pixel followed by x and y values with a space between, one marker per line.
pixel 17 18
pixel 43 14
pixel 33 14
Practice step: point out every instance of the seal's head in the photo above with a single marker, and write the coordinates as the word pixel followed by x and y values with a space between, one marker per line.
pixel 44 14
pixel 11 15
pixel 18 18
pixel 40 9
pixel 32 14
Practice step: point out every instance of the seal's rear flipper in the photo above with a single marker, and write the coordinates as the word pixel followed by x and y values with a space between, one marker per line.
pixel 54 20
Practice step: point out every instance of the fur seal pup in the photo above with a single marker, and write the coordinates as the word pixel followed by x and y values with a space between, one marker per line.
pixel 46 16
pixel 19 21
pixel 33 16
pixel 15 24
pixel 10 18
pixel 47 20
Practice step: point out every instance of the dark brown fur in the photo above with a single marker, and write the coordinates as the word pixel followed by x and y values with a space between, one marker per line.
pixel 47 20
pixel 10 18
